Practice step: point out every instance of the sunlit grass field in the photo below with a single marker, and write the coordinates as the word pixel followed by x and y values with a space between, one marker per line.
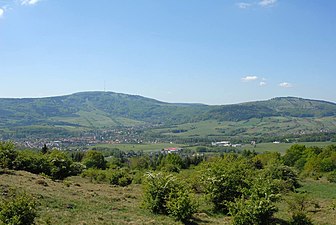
pixel 78 201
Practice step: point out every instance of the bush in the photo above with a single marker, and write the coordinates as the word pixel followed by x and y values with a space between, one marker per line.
pixel 157 190
pixel 285 176
pixel 180 205
pixel 257 203
pixel 119 177
pixel 94 159
pixel 76 168
pixel 332 177
pixel 59 164
pixel 93 174
pixel 165 195
pixel 116 177
pixel 300 218
pixel 298 205
pixel 18 209
pixel 7 155
pixel 253 210
pixel 32 162
pixel 225 179
pixel 171 163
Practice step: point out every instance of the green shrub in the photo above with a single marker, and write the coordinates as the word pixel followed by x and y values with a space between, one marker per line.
pixel 92 174
pixel 138 177
pixel 7 155
pixel 180 205
pixel 171 163
pixel 170 168
pixel 32 162
pixel 253 210
pixel 293 154
pixel 225 179
pixel 94 159
pixel 300 218
pixel 284 176
pixel 332 176
pixel 59 164
pixel 157 190
pixel 163 194
pixel 18 209
pixel 256 204
pixel 76 168
pixel 139 163
pixel 298 205
pixel 124 181
pixel 119 177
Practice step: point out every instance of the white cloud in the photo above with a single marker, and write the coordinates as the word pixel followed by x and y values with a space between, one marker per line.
pixel 267 3
pixel 262 83
pixel 244 5
pixel 285 85
pixel 29 2
pixel 249 78
pixel 2 12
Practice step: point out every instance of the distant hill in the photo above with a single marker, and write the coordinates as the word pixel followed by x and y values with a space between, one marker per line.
pixel 101 110
pixel 282 106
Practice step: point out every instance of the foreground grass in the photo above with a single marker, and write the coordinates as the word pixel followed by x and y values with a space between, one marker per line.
pixel 78 201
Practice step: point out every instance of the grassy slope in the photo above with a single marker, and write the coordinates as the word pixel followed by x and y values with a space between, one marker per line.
pixel 270 126
pixel 78 201
pixel 83 202
pixel 321 196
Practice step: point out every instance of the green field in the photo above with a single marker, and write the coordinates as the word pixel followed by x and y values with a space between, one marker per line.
pixel 255 127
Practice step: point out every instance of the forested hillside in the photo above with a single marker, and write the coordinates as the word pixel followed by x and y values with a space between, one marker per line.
pixel 106 110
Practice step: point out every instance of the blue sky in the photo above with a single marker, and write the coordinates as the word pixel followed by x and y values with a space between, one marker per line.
pixel 213 52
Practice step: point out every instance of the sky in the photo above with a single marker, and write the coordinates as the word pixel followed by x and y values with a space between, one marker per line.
pixel 195 51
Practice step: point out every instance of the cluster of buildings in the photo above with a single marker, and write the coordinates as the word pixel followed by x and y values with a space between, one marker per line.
pixel 225 144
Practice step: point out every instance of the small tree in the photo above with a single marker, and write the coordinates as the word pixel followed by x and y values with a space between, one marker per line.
pixel 94 159
pixel 44 149
pixel 59 164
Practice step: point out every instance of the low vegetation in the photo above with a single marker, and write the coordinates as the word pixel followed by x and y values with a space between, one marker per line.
pixel 58 187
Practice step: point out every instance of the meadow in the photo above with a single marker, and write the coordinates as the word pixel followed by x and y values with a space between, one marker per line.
pixel 76 200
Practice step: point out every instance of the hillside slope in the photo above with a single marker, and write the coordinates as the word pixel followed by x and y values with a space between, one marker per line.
pixel 282 106
pixel 105 110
